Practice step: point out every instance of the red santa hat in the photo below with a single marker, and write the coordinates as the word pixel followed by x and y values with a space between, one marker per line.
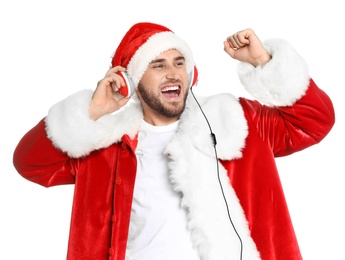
pixel 143 43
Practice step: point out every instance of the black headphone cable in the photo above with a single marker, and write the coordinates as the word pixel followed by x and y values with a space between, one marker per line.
pixel 213 136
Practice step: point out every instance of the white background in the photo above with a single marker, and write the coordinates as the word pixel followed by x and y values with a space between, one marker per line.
pixel 51 49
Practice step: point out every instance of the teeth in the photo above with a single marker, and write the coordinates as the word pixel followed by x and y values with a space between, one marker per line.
pixel 173 88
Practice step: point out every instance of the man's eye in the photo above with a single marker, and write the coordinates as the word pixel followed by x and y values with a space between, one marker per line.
pixel 158 66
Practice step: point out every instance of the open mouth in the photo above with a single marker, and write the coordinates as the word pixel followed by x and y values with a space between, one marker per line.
pixel 171 91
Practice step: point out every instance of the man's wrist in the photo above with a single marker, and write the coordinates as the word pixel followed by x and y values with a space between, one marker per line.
pixel 262 60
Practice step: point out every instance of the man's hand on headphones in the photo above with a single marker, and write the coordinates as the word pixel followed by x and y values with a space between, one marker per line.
pixel 246 46
pixel 103 100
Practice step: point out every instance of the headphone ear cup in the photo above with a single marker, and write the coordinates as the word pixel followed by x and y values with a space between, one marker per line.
pixel 128 89
pixel 193 77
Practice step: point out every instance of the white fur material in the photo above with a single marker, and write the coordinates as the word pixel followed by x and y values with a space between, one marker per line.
pixel 281 81
pixel 193 168
pixel 153 47
pixel 72 131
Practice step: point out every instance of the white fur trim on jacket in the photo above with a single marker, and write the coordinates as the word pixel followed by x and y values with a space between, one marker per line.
pixel 193 174
pixel 280 82
pixel 71 130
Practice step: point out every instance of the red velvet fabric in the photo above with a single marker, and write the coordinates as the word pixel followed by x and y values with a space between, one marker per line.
pixel 255 177
pixel 135 37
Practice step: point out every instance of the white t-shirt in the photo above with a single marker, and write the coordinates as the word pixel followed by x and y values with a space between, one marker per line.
pixel 158 227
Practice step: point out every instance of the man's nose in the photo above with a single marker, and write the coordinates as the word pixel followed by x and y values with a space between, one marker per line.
pixel 172 73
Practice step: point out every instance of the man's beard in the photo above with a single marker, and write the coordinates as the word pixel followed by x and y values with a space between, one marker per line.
pixel 168 110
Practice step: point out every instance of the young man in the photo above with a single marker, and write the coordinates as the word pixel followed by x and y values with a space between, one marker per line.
pixel 161 175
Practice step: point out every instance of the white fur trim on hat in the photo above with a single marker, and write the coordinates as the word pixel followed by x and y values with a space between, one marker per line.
pixel 153 47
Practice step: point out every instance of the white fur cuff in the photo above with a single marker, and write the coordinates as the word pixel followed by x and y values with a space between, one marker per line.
pixel 71 130
pixel 280 82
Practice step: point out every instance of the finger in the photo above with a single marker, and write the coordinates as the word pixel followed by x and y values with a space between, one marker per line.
pixel 232 42
pixel 242 39
pixel 115 69
pixel 116 82
pixel 112 81
pixel 239 39
pixel 123 101
pixel 235 41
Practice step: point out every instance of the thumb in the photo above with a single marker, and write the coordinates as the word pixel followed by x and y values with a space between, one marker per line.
pixel 123 101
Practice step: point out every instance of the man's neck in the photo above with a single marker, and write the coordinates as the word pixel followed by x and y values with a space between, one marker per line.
pixel 157 119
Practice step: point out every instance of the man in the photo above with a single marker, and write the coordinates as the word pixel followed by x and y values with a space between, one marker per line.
pixel 161 175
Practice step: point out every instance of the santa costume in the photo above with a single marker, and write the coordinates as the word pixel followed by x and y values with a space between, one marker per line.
pixel 231 191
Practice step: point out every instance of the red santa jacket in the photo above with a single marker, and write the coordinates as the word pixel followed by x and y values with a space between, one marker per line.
pixel 99 158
